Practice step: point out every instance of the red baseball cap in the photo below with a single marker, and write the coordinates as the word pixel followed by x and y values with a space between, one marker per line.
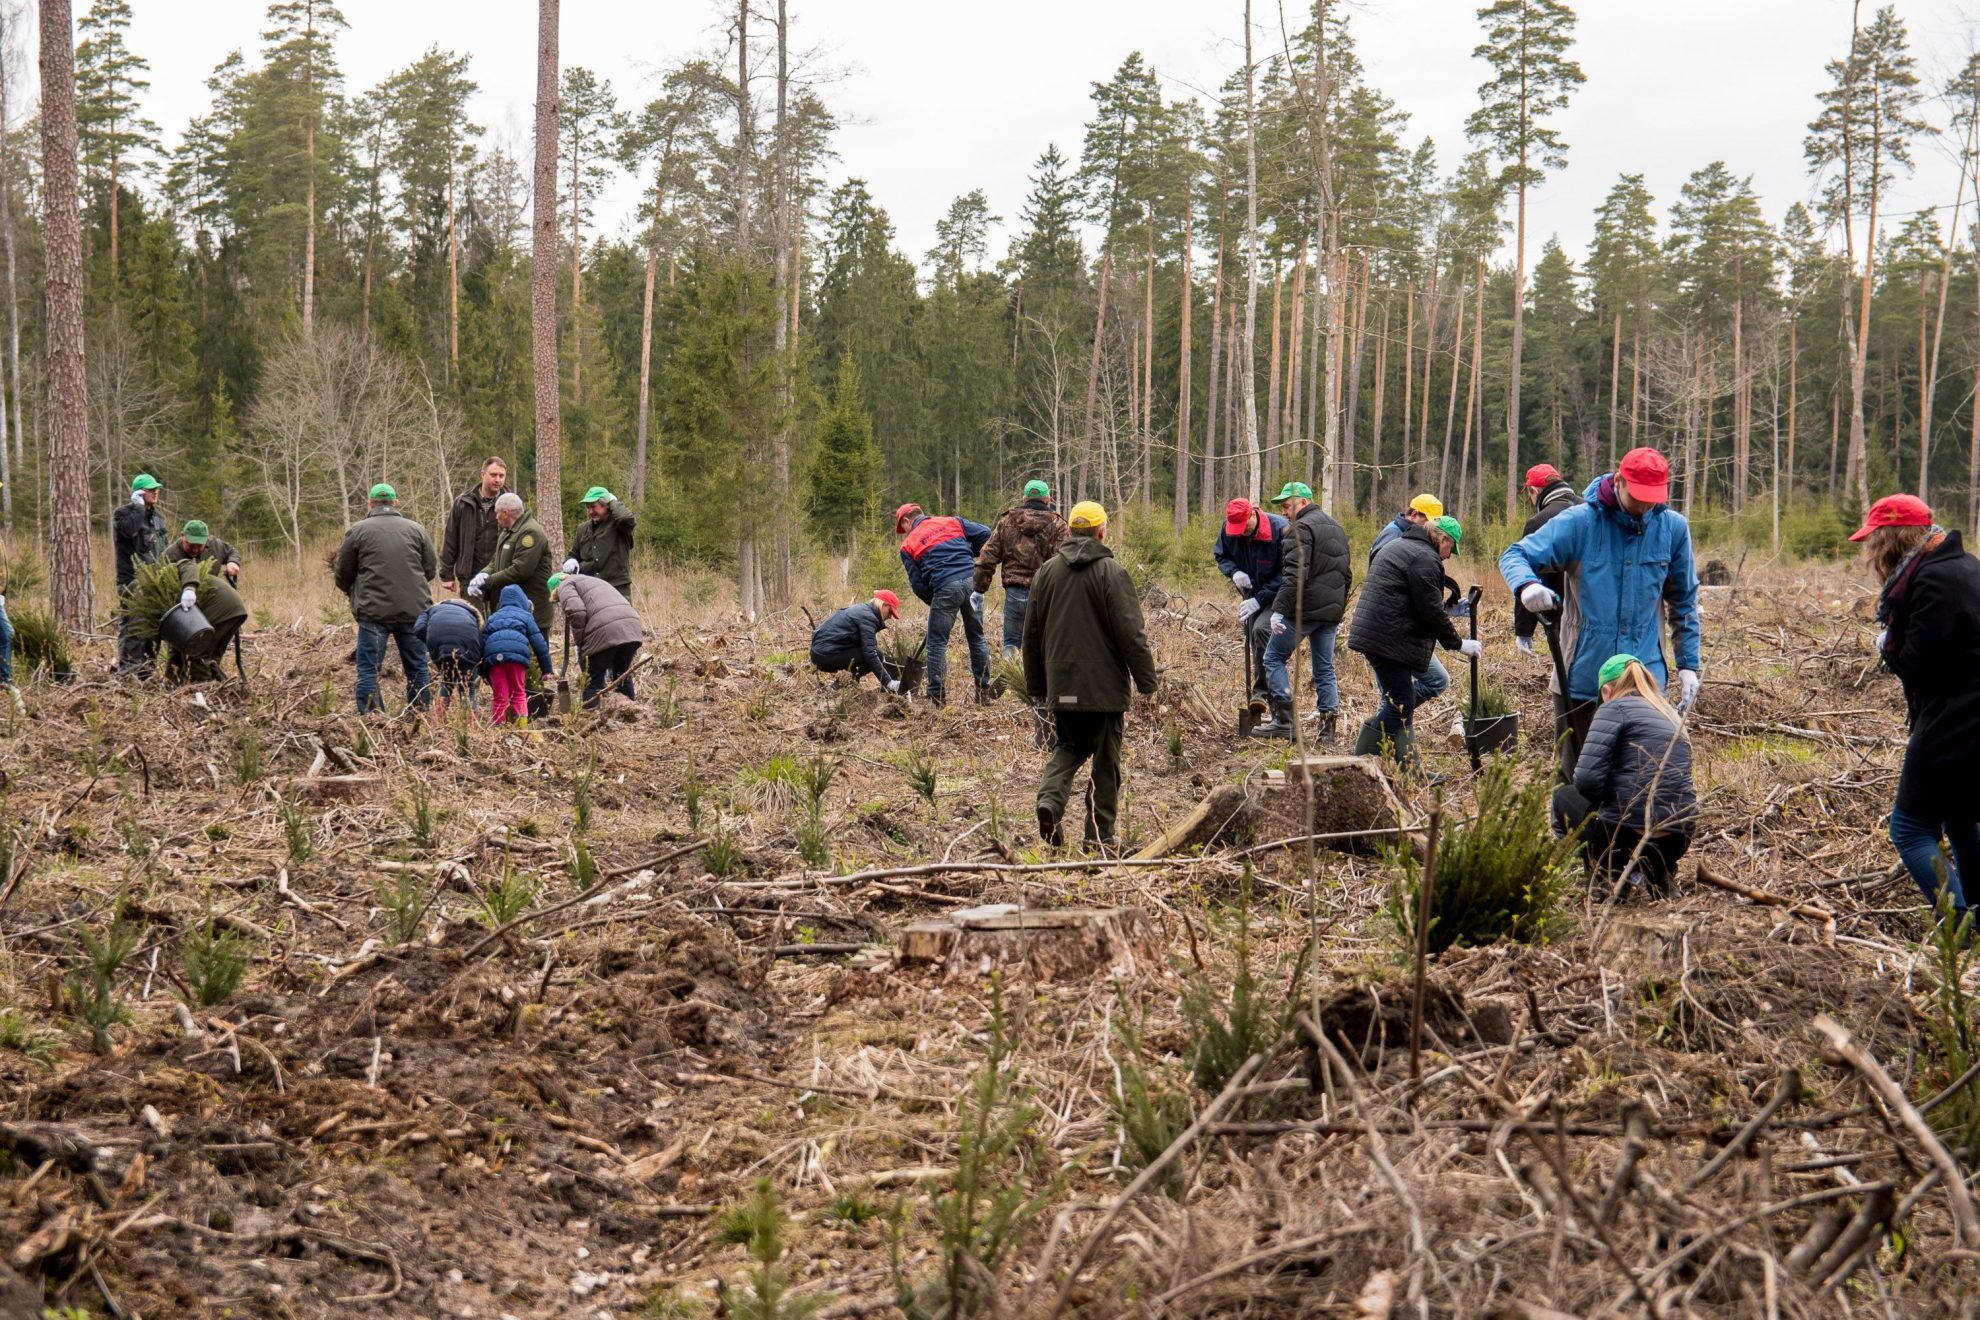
pixel 1894 511
pixel 1236 514
pixel 902 514
pixel 1540 474
pixel 891 601
pixel 1648 475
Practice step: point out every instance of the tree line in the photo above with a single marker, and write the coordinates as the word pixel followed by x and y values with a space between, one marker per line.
pixel 313 286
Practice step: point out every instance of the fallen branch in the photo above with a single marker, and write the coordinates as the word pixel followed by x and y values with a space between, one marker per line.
pixel 1813 911
pixel 569 903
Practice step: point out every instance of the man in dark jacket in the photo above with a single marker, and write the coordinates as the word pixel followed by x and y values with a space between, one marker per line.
pixel 850 639
pixel 137 531
pixel 1550 495
pixel 1398 623
pixel 1250 552
pixel 522 559
pixel 469 541
pixel 1311 599
pixel 940 557
pixel 1083 641
pixel 384 566
pixel 602 547
pixel 1420 511
pixel 451 633
pixel 197 543
pixel 1023 539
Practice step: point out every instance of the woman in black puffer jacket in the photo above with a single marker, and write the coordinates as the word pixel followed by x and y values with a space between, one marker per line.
pixel 1632 795
pixel 1930 609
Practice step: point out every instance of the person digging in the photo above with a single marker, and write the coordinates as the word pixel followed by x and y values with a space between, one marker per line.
pixel 940 557
pixel 1399 622
pixel 849 639
pixel 606 629
pixel 1023 539
pixel 1250 551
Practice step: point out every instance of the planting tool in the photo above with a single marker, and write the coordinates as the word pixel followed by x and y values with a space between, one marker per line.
pixel 1251 711
pixel 1484 733
pixel 1553 632
pixel 564 674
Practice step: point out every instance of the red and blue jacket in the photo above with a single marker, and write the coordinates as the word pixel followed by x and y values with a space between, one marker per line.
pixel 938 550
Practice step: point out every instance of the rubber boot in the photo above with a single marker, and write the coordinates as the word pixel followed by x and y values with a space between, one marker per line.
pixel 1281 723
pixel 1369 741
pixel 1329 726
pixel 1049 830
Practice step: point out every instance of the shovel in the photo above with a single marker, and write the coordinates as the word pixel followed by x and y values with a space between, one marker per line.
pixel 1552 630
pixel 1251 711
pixel 1484 733
pixel 564 674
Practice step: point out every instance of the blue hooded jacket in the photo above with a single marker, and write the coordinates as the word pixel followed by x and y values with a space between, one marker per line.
pixel 1619 569
pixel 452 632
pixel 939 550
pixel 1261 558
pixel 511 636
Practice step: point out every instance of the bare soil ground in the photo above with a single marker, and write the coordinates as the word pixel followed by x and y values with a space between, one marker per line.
pixel 559 1115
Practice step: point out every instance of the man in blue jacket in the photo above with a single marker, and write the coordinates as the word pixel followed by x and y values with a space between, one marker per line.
pixel 850 639
pixel 940 557
pixel 1624 556
pixel 1421 512
pixel 1250 552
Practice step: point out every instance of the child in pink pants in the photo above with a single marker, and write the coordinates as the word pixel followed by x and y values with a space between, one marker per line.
pixel 509 640
pixel 510 682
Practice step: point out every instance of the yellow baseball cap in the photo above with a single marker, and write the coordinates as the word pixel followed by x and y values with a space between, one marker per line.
pixel 1428 505
pixel 1086 516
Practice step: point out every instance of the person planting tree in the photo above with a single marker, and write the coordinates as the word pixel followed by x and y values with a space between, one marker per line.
pixel 940 557
pixel 1309 605
pixel 850 639
pixel 509 641
pixel 137 535
pixel 1250 551
pixel 1632 798
pixel 1434 679
pixel 1929 605
pixel 451 632
pixel 1551 496
pixel 606 629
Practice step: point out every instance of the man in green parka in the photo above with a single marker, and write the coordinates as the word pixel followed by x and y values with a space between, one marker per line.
pixel 522 559
pixel 602 547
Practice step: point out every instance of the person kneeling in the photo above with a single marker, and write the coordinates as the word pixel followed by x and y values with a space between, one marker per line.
pixel 850 639
pixel 1632 795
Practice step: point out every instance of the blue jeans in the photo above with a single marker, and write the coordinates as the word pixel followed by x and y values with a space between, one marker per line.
pixel 6 648
pixel 371 650
pixel 1917 843
pixel 1015 599
pixel 949 600
pixel 1430 684
pixel 1320 655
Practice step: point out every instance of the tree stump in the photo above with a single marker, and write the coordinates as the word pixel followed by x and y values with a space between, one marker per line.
pixel 1222 817
pixel 1350 793
pixel 1065 944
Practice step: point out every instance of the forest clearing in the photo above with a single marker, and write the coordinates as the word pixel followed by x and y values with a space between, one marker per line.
pixel 525 1019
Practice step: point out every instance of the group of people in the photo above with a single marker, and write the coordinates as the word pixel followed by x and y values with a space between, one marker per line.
pixel 494 554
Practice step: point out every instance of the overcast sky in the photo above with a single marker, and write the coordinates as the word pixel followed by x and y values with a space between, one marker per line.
pixel 938 98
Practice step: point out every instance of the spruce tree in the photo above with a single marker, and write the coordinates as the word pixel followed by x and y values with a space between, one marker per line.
pixel 845 464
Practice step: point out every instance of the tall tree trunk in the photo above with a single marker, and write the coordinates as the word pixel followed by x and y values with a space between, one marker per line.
pixel 1409 388
pixel 114 264
pixel 1635 381
pixel 1793 400
pixel 1615 383
pixel 1233 425
pixel 749 571
pixel 7 241
pixel 543 283
pixel 1207 497
pixel 1691 438
pixel 1182 372
pixel 1931 367
pixel 1434 302
pixel 1475 406
pixel 1740 473
pixel 1148 357
pixel 1471 396
pixel 577 282
pixel 1289 430
pixel 1375 428
pixel 785 276
pixel 453 269
pixel 1450 404
pixel 70 590
pixel 1272 410
pixel 309 175
pixel 644 419
pixel 1255 474
pixel 1351 419
pixel 1093 369
pixel 1518 340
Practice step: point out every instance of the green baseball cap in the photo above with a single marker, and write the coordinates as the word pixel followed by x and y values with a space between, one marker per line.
pixel 383 492
pixel 556 580
pixel 196 532
pixel 1037 490
pixel 1450 527
pixel 1293 490
pixel 597 494
pixel 144 481
pixel 1614 667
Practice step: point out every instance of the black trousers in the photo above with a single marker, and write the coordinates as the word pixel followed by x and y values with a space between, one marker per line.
pixel 834 662
pixel 1610 846
pixel 1085 736
pixel 606 664
pixel 1577 716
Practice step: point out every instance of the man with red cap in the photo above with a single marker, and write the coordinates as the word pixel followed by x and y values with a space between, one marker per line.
pixel 1250 552
pixel 940 557
pixel 1550 495
pixel 850 639
pixel 1624 556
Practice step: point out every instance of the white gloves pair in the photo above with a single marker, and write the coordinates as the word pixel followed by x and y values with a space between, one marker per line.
pixel 570 565
pixel 1687 689
pixel 1537 598
pixel 1471 648
pixel 1247 610
pixel 976 601
pixel 1279 624
pixel 1241 580
pixel 187 597
pixel 893 685
pixel 474 583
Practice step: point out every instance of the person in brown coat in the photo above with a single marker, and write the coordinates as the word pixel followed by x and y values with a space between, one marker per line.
pixel 1024 538
pixel 607 629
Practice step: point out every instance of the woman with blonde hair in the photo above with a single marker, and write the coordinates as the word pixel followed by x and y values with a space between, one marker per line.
pixel 1632 796
pixel 1929 605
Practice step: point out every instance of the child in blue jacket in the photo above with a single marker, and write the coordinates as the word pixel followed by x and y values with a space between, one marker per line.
pixel 508 640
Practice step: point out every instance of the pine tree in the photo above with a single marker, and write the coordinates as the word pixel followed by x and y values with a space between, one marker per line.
pixel 845 464
pixel 70 591
pixel 543 282
pixel 1526 43
pixel 110 131
pixel 430 143
pixel 591 125
pixel 302 74
pixel 1622 263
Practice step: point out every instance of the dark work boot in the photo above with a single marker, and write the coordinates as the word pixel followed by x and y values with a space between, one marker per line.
pixel 1369 741
pixel 1048 827
pixel 1281 723
pixel 937 696
pixel 1329 723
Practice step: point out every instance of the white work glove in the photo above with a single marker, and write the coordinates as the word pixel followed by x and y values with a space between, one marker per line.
pixel 1525 645
pixel 1241 580
pixel 1247 610
pixel 1279 624
pixel 1538 599
pixel 187 597
pixel 137 498
pixel 1687 689
pixel 474 583
pixel 1471 648
pixel 893 685
pixel 570 565
pixel 976 602
pixel 3 605
pixel 1882 633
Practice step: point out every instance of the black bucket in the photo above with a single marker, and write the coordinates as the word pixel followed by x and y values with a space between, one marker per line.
pixel 1491 733
pixel 186 631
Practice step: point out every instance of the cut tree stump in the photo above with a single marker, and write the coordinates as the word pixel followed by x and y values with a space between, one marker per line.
pixel 1350 793
pixel 1065 944
pixel 1222 817
pixel 324 788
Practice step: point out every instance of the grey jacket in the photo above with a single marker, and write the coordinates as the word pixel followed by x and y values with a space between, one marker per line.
pixel 1635 769
pixel 599 616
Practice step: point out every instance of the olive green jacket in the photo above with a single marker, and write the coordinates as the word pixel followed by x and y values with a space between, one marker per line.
pixel 522 558
pixel 1083 634
pixel 384 565
pixel 603 549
